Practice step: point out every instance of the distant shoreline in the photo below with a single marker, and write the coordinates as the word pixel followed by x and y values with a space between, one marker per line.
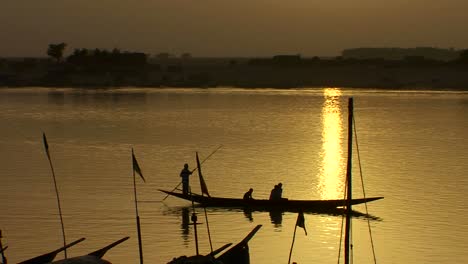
pixel 289 73
pixel 97 88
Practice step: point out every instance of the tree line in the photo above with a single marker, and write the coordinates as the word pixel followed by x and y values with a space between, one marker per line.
pixel 98 58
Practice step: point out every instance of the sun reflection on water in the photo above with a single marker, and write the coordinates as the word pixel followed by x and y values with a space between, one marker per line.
pixel 331 177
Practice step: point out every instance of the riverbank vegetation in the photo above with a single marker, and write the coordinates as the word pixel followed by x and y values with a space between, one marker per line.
pixel 366 68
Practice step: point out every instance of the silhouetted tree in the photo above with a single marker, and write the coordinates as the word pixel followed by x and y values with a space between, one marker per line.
pixel 98 60
pixel 56 51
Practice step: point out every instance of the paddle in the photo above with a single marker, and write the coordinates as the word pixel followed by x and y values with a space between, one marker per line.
pixel 195 169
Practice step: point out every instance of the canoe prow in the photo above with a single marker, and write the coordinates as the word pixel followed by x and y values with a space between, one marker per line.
pixel 48 257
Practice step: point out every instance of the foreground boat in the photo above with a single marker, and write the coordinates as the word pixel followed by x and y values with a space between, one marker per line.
pixel 263 204
pixel 238 254
pixel 95 257
pixel 91 258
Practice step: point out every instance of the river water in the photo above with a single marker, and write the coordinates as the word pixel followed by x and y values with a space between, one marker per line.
pixel 412 149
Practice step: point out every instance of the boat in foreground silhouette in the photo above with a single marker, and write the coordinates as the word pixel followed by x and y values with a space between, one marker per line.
pixel 91 258
pixel 266 205
pixel 238 254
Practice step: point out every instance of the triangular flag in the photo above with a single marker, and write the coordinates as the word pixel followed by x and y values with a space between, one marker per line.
pixel 136 167
pixel 301 221
pixel 204 188
pixel 46 146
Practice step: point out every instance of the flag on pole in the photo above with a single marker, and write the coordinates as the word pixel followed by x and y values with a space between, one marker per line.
pixel 136 167
pixel 301 221
pixel 204 188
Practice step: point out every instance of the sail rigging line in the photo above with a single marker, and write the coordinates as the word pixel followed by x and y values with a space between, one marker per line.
pixel 364 190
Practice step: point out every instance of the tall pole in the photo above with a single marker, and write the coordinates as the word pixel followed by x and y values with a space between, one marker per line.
pixel 348 180
pixel 292 244
pixel 46 146
pixel 140 245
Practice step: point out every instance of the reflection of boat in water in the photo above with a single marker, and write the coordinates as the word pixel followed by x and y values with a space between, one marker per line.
pixel 286 205
pixel 276 217
pixel 185 222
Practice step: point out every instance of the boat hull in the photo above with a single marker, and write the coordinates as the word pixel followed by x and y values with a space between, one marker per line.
pixel 262 204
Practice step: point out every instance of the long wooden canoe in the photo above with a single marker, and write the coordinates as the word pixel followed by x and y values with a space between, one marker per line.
pixel 263 204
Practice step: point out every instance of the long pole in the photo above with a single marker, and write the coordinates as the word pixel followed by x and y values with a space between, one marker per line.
pixel 56 192
pixel 348 180
pixel 140 244
pixel 172 190
pixel 195 169
pixel 292 244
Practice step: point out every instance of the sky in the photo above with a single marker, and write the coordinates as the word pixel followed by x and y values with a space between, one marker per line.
pixel 235 28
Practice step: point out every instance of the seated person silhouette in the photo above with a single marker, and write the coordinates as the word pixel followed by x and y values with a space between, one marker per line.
pixel 277 192
pixel 248 195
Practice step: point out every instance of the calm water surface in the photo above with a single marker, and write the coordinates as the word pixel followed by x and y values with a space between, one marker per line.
pixel 412 146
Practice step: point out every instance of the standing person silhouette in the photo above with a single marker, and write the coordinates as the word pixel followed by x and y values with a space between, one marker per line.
pixel 185 173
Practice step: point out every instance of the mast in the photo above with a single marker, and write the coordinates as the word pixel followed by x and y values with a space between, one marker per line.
pixel 348 180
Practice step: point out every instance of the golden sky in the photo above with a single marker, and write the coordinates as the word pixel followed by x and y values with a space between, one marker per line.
pixel 231 28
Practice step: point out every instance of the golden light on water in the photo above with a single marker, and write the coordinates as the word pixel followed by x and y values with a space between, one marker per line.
pixel 332 170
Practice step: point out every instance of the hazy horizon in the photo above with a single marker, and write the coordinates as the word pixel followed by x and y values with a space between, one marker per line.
pixel 219 28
